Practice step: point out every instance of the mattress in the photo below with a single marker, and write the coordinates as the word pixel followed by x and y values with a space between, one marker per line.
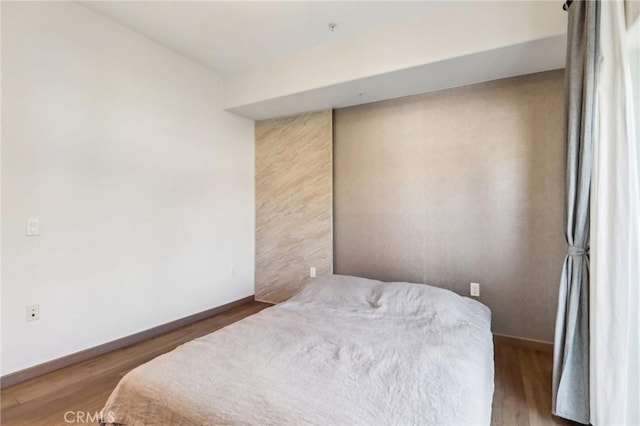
pixel 343 351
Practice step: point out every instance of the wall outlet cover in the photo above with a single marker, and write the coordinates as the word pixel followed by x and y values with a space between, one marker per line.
pixel 33 312
pixel 474 289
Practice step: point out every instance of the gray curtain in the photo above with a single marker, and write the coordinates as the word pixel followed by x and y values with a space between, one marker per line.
pixel 571 349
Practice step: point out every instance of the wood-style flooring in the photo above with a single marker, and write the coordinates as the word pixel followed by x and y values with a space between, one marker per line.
pixel 522 381
pixel 522 394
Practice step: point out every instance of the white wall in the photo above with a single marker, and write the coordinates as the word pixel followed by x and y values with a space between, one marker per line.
pixel 142 183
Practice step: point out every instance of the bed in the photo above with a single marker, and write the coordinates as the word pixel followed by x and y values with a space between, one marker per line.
pixel 343 351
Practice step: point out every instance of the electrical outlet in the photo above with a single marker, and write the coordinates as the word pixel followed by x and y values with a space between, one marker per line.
pixel 474 289
pixel 33 312
pixel 312 272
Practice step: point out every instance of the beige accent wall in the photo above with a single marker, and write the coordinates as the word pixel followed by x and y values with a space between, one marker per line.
pixel 458 186
pixel 293 202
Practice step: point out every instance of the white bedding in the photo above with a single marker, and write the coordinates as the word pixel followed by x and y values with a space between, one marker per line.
pixel 344 351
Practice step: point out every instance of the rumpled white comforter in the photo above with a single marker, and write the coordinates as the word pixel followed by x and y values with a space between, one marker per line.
pixel 344 351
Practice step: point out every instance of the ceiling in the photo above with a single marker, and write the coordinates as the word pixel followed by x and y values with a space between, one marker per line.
pixel 281 57
pixel 520 59
pixel 231 37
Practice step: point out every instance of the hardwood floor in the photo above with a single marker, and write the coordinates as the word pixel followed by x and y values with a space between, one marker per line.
pixel 522 381
pixel 522 394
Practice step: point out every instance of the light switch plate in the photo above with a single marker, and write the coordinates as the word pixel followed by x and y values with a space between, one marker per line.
pixel 312 272
pixel 33 227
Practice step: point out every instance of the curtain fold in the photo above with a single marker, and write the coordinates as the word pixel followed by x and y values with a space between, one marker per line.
pixel 615 293
pixel 571 343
